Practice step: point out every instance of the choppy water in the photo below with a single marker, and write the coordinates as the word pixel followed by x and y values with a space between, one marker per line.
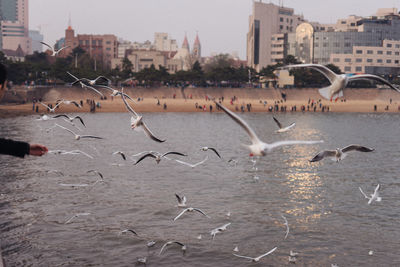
pixel 329 219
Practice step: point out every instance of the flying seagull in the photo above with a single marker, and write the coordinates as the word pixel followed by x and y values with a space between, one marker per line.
pixel 73 152
pixel 52 110
pixel 374 197
pixel 219 230
pixel 138 121
pixel 181 200
pixel 258 147
pixel 281 128
pixel 71 119
pixel 158 156
pixel 92 82
pixel 76 216
pixel 256 259
pixel 83 85
pixel 77 136
pixel 69 102
pixel 287 226
pixel 190 210
pixel 210 148
pixel 53 50
pixel 120 153
pixel 340 153
pixel 192 165
pixel 129 230
pixel 170 243
pixel 115 92
pixel 339 81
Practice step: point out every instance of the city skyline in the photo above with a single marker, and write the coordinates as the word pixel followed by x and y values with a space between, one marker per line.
pixel 222 25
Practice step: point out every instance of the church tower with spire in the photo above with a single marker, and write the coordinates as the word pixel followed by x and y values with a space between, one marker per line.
pixel 197 47
pixel 185 44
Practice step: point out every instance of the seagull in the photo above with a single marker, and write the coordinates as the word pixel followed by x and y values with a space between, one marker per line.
pixel 158 156
pixel 53 50
pixel 137 122
pixel 374 197
pixel 287 226
pixel 258 147
pixel 170 243
pixel 120 153
pixel 192 165
pixel 52 110
pixel 199 237
pixel 340 153
pixel 150 244
pixel 77 136
pixel 257 258
pixel 74 185
pixel 97 172
pixel 92 82
pixel 293 254
pixel 213 149
pixel 115 92
pixel 339 81
pixel 76 216
pixel 181 200
pixel 190 210
pixel 281 128
pixel 71 119
pixel 84 85
pixel 219 230
pixel 142 260
pixel 69 102
pixel 236 249
pixel 128 230
pixel 73 152
pixel 44 117
pixel 56 172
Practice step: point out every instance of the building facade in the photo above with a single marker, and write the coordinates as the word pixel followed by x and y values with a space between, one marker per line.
pixel 14 25
pixel 36 38
pixel 265 21
pixel 163 43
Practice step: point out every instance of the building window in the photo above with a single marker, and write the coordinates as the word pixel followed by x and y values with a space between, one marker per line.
pixel 336 44
pixel 370 52
pixel 380 52
pixel 347 60
pixel 358 60
pixel 325 44
pixel 396 53
pixel 369 60
pixel 108 42
pixel 281 19
pixel 396 61
pixel 347 44
pixel 281 27
pixel 358 51
pixel 397 45
pixel 388 61
pixel 388 52
pixel 379 61
pixel 347 68
pixel 388 45
pixel 336 60
pixel 316 45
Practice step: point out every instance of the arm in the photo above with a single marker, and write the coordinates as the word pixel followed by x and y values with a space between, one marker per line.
pixel 14 148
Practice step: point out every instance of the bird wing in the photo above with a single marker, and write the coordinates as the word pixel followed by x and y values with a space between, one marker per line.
pixel 44 104
pixel 179 198
pixel 376 189
pixel 246 257
pixel 291 125
pixel 199 210
pixel 216 152
pixel 290 142
pixel 62 48
pixel 174 153
pixel 356 148
pixel 91 136
pixel 76 78
pixel 179 243
pixel 269 252
pixel 150 134
pixel 61 115
pixel 79 118
pixel 145 156
pixel 323 154
pixel 253 137
pixel 59 103
pixel 97 172
pixel 52 49
pixel 375 78
pixel 104 78
pixel 192 165
pixel 76 104
pixel 362 192
pixel 320 68
pixel 287 226
pixel 163 247
pixel 180 214
pixel 94 89
pixel 79 152
pixel 277 122
pixel 126 103
pixel 66 129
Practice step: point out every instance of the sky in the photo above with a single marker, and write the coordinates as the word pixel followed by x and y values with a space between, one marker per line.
pixel 222 25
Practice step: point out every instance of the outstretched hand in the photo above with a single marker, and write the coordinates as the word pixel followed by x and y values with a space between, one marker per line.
pixel 37 150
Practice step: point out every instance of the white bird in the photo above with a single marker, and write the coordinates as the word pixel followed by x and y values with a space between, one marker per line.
pixel 340 153
pixel 181 200
pixel 84 85
pixel 219 230
pixel 339 81
pixel 76 216
pixel 138 121
pixel 129 230
pixel 77 136
pixel 52 110
pixel 142 260
pixel 259 148
pixel 73 152
pixel 115 92
pixel 69 102
pixel 190 210
pixel 44 117
pixel 92 82
pixel 158 156
pixel 199 237
pixel 53 50
pixel 120 153
pixel 281 128
pixel 374 197
pixel 150 244
pixel 236 249
pixel 96 172
pixel 287 226
pixel 192 165
pixel 170 243
pixel 256 259
pixel 70 119
pixel 210 148
pixel 293 254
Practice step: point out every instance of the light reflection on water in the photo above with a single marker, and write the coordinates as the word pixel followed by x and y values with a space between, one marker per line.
pixel 329 219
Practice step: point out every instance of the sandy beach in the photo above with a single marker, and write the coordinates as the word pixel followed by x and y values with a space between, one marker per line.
pixel 355 100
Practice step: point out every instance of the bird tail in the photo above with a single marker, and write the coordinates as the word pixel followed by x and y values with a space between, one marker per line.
pixel 325 92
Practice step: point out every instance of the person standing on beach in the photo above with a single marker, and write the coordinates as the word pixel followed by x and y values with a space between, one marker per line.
pixel 11 147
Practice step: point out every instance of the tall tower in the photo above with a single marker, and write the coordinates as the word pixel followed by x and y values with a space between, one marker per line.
pixel 185 44
pixel 197 47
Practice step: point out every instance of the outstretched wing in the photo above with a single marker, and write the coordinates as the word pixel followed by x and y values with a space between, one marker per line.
pixel 62 48
pixel 245 257
pixel 79 118
pixel 199 210
pixel 180 214
pixel 145 156
pixel 375 78
pixel 357 148
pixel 150 134
pixel 323 154
pixel 129 108
pixel 277 122
pixel 320 68
pixel 362 192
pixel 174 153
pixel 269 252
pixel 290 142
pixel 51 48
pixel 215 151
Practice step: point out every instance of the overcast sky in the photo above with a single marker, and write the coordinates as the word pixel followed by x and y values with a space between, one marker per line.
pixel 222 24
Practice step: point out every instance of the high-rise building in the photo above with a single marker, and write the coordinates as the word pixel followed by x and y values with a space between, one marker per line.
pixel 266 20
pixel 36 37
pixel 14 26
pixel 163 43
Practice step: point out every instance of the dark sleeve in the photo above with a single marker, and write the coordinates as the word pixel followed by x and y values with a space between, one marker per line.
pixel 14 148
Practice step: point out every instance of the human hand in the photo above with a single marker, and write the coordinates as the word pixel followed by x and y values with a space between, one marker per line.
pixel 37 150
